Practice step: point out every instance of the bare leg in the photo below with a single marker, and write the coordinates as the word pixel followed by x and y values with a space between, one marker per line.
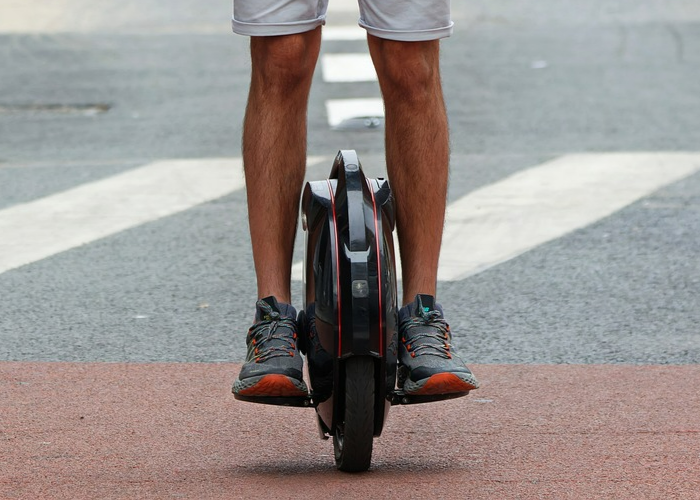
pixel 417 151
pixel 274 151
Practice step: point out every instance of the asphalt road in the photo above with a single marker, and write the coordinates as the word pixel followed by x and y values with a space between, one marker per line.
pixel 93 90
pixel 86 93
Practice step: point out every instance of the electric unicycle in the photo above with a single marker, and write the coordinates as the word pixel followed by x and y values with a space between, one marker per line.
pixel 349 321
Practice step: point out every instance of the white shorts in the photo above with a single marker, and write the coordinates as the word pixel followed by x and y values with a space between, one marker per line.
pixel 404 20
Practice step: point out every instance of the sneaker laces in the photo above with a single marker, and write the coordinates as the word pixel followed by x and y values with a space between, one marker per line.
pixel 432 336
pixel 268 341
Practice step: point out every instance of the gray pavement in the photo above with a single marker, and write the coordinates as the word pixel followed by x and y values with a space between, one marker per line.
pixel 523 84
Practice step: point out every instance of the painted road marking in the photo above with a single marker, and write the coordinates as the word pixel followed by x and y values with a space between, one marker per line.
pixel 340 110
pixel 343 6
pixel 343 33
pixel 348 68
pixel 33 231
pixel 503 220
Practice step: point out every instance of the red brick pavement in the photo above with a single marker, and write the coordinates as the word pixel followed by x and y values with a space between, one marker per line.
pixel 84 431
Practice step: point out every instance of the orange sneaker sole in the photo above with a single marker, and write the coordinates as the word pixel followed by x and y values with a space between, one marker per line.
pixel 443 383
pixel 273 385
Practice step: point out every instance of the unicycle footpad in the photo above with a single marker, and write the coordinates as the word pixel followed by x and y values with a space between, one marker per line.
pixel 401 398
pixel 299 401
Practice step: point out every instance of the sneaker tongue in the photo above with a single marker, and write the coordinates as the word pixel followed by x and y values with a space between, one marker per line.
pixel 272 302
pixel 267 307
pixel 424 304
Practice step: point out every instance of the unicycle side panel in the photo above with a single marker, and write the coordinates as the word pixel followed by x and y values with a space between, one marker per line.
pixel 320 325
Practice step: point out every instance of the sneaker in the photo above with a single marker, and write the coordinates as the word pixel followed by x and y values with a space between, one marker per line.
pixel 428 363
pixel 273 365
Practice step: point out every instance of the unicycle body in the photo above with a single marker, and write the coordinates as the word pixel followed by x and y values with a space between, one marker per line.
pixel 349 321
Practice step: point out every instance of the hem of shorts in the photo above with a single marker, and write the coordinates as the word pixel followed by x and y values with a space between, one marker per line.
pixel 407 35
pixel 276 29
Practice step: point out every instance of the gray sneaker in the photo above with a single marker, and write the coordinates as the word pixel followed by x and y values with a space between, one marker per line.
pixel 273 366
pixel 428 363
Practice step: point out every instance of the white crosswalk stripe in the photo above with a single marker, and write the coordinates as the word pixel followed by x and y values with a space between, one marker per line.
pixel 348 68
pixel 342 110
pixel 503 220
pixel 41 228
pixel 36 230
pixel 343 33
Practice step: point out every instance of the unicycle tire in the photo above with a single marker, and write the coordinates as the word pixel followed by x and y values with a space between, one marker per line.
pixel 353 437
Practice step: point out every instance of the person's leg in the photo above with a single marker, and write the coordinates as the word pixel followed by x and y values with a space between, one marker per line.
pixel 417 149
pixel 417 153
pixel 274 151
pixel 274 159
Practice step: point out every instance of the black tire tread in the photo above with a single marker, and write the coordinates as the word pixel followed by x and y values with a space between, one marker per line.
pixel 355 454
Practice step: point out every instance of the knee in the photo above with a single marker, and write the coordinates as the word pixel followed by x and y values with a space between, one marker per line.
pixel 284 62
pixel 407 70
